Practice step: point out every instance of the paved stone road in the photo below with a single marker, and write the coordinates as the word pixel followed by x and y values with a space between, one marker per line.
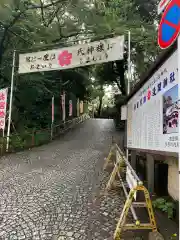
pixel 46 193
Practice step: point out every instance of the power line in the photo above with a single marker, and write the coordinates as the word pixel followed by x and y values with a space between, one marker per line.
pixel 55 45
pixel 17 35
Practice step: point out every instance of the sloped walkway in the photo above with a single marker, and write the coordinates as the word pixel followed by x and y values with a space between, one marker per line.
pixel 46 193
pixel 49 193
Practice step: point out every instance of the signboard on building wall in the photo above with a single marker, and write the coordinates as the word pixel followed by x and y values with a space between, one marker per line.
pixel 153 111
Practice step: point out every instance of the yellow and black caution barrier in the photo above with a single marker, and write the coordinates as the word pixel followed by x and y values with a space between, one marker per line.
pixel 135 185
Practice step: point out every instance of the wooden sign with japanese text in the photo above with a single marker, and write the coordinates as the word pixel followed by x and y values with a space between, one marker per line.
pixel 107 50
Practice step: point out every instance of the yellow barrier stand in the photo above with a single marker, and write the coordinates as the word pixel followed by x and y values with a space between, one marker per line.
pixel 107 160
pixel 121 161
pixel 137 225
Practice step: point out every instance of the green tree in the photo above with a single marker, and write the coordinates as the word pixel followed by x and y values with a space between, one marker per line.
pixel 121 16
pixel 40 25
pixel 34 25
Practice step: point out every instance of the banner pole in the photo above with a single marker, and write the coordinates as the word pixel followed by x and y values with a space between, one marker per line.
pixel 52 117
pixel 10 103
pixel 128 85
pixel 64 106
pixel 129 62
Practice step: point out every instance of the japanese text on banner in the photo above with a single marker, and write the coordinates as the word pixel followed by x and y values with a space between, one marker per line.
pixel 3 103
pixel 76 56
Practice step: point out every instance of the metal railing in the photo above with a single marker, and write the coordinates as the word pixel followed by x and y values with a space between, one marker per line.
pixel 39 137
pixel 133 186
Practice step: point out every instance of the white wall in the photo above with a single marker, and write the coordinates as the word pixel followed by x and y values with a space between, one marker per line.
pixel 148 111
pixel 173 179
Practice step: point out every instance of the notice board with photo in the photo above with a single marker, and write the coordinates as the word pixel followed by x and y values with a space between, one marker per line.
pixel 153 111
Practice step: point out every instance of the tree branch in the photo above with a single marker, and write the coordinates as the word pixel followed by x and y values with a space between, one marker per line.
pixel 34 6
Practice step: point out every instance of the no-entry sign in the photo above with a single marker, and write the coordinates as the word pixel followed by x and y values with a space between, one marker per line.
pixel 170 24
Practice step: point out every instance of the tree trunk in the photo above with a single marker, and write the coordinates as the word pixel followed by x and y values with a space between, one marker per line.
pixel 100 106
pixel 120 68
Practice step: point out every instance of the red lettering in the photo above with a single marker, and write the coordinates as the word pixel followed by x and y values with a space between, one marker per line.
pixel 1 123
pixel 2 96
pixel 2 114
pixel 149 95
pixel 2 105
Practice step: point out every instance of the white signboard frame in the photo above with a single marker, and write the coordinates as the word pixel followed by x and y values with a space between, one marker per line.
pixel 124 112
pixel 106 50
pixel 154 111
pixel 131 181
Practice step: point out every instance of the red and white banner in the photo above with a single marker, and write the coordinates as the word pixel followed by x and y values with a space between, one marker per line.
pixel 106 50
pixel 63 106
pixel 3 104
pixel 70 107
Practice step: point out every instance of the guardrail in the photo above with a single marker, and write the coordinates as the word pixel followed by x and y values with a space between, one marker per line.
pixel 28 140
pixel 63 127
pixel 131 181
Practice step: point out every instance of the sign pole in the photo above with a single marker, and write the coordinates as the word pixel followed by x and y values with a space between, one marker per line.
pixel 129 62
pixel 10 103
pixel 64 95
pixel 129 81
pixel 78 107
pixel 52 121
pixel 63 107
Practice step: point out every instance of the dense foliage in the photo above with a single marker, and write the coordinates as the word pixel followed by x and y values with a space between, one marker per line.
pixel 40 24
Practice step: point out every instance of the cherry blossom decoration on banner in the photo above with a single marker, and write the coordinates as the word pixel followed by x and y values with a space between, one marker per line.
pixel 3 104
pixel 106 50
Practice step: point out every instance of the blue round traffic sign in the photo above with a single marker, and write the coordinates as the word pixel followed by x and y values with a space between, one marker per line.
pixel 170 24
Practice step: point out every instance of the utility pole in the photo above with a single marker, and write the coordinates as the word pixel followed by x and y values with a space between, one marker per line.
pixel 11 100
pixel 128 85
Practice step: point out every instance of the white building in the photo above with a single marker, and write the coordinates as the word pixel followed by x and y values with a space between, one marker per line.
pixel 152 125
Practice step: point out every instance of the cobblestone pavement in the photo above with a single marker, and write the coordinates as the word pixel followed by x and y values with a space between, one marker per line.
pixel 47 192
